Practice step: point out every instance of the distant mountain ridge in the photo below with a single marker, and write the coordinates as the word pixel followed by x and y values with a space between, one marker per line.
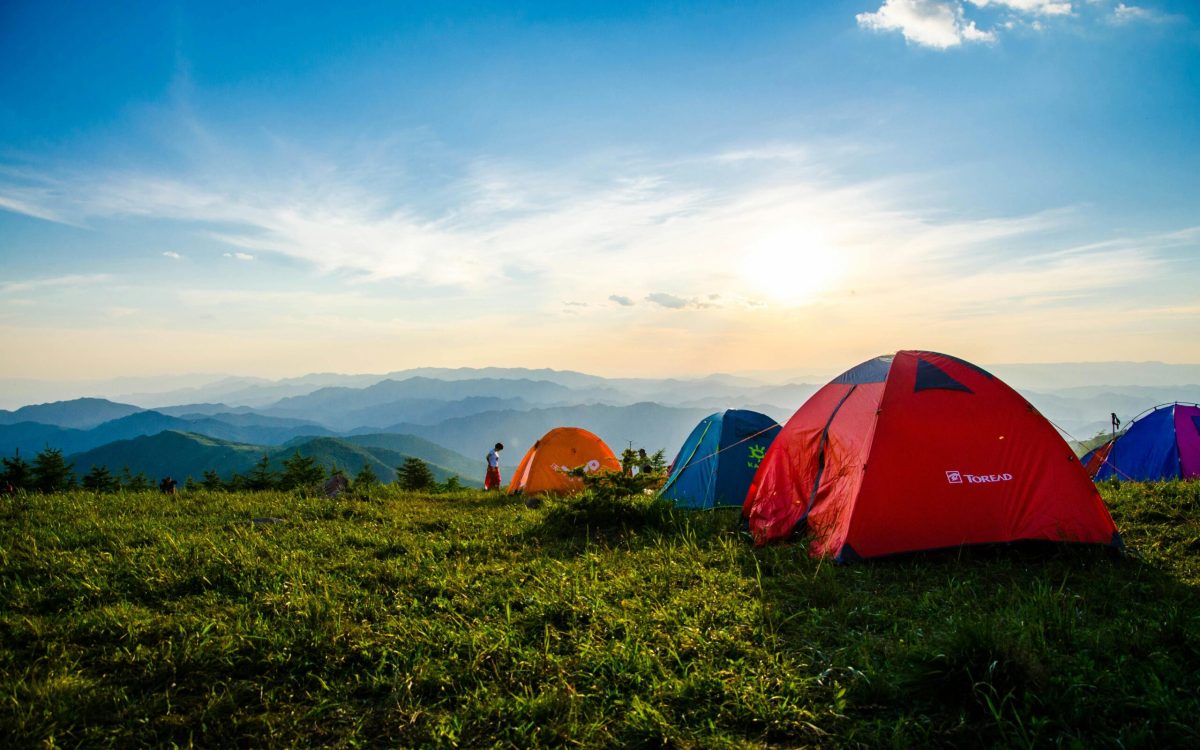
pixel 31 437
pixel 1112 375
pixel 347 408
pixel 80 413
pixel 648 425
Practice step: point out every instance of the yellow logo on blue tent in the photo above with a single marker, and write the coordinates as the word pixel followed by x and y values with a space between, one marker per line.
pixel 757 453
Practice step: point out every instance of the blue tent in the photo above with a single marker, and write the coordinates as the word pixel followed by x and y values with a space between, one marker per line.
pixel 1162 444
pixel 717 462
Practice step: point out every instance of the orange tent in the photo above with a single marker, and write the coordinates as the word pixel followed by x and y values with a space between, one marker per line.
pixel 544 467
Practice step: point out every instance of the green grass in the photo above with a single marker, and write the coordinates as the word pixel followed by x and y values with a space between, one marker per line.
pixel 472 620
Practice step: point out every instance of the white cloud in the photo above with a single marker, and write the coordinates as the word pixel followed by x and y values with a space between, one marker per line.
pixel 172 255
pixel 238 256
pixel 1033 7
pixel 939 24
pixel 1126 14
pixel 942 24
pixel 621 300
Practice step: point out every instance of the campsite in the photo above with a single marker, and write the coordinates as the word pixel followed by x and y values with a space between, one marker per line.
pixel 753 593
pixel 535 374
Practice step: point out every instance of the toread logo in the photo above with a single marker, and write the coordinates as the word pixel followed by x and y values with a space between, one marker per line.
pixel 958 477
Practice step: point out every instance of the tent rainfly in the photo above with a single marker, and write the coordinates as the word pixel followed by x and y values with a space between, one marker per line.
pixel 918 451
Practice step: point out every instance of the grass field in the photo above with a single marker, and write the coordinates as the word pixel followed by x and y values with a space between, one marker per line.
pixel 471 620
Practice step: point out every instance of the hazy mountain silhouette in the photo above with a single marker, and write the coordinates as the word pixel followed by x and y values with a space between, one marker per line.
pixel 79 413
pixel 648 425
pixel 342 406
pixel 421 411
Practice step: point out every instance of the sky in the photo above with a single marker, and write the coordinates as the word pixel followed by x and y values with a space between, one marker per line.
pixel 639 189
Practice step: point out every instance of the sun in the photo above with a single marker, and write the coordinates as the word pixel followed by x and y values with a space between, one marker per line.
pixel 791 267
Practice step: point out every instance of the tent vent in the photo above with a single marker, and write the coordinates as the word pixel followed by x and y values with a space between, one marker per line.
pixel 931 377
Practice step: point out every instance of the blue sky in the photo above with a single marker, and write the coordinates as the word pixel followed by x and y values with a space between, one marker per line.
pixel 674 188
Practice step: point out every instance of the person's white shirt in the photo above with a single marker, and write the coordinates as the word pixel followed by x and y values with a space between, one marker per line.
pixel 493 459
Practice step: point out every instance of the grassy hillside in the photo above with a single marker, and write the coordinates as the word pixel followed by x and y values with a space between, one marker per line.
pixel 471 620
pixel 178 454
pixel 182 454
pixel 431 453
pixel 351 457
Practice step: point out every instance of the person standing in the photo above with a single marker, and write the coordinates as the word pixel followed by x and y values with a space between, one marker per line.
pixel 492 480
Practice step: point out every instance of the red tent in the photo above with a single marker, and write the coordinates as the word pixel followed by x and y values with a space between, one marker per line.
pixel 1096 458
pixel 921 451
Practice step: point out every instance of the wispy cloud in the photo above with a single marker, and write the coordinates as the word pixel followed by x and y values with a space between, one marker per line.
pixel 701 225
pixel 1123 15
pixel 1085 277
pixel 29 206
pixel 774 153
pixel 1035 7
pixel 201 297
pixel 172 255
pixel 54 282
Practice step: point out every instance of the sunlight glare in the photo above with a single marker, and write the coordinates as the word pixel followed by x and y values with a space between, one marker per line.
pixel 792 266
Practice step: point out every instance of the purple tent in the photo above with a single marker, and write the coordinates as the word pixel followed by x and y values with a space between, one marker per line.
pixel 1163 443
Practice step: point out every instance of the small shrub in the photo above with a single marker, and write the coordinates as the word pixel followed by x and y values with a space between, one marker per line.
pixel 601 513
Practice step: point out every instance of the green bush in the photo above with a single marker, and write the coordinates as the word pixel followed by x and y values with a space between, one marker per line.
pixel 598 512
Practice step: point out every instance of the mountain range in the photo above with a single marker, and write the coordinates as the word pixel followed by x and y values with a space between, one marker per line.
pixel 31 437
pixel 464 411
